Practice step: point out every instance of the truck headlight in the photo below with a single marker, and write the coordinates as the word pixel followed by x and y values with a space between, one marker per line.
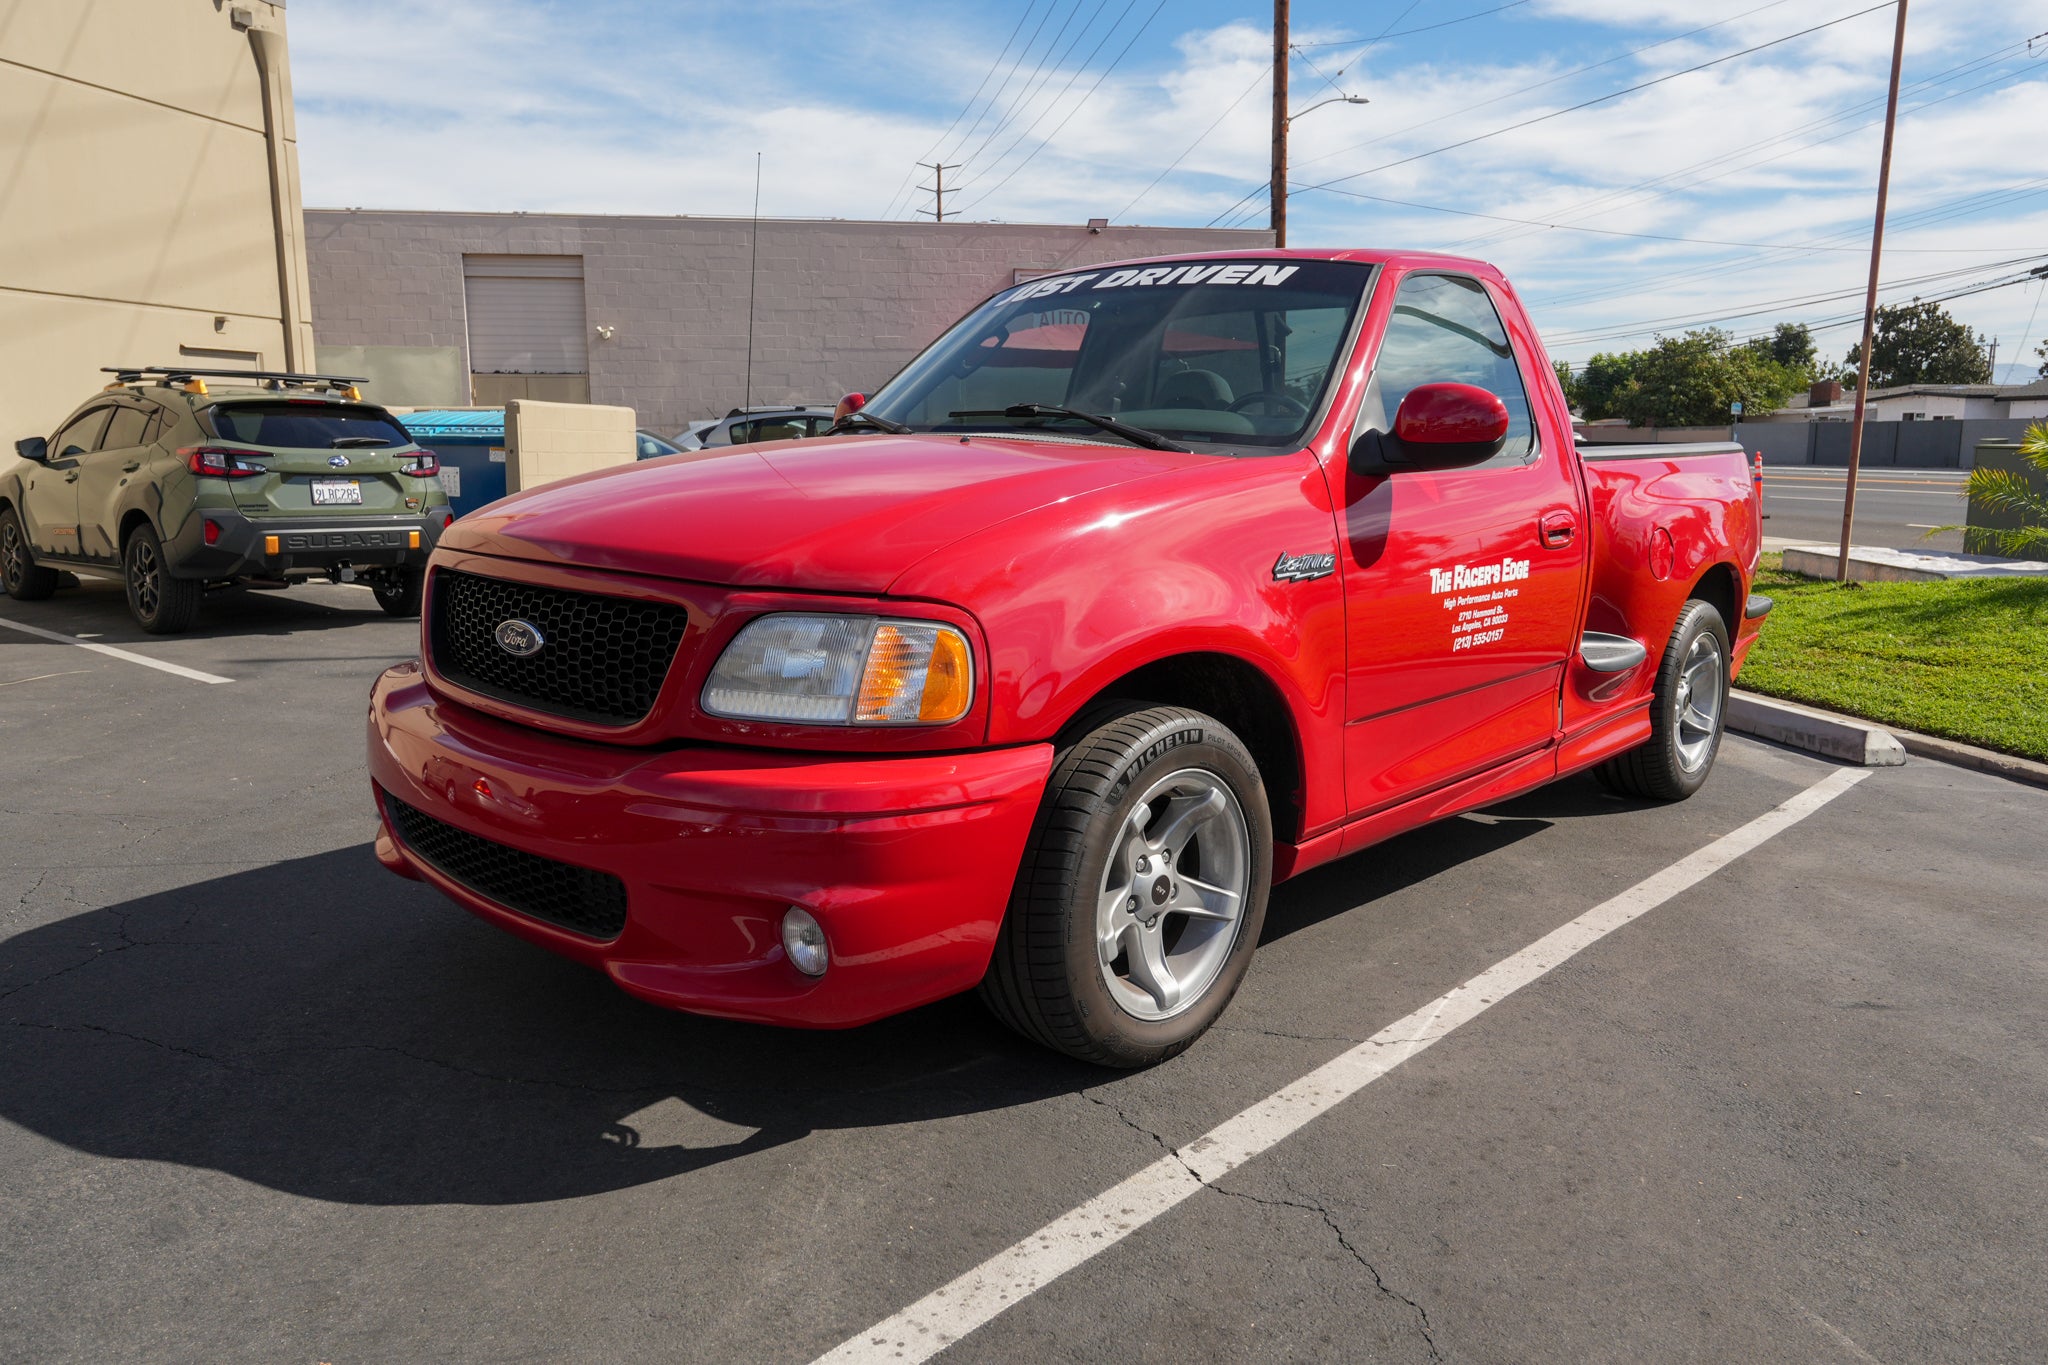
pixel 843 670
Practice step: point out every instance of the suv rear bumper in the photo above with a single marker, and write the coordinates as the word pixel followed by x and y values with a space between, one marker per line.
pixel 906 861
pixel 274 547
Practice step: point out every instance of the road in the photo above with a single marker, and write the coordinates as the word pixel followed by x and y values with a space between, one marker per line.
pixel 261 1101
pixel 1894 507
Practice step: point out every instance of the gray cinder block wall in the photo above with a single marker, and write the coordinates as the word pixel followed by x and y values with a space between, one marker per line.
pixel 839 306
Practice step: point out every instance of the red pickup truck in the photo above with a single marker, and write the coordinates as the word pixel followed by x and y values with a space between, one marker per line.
pixel 1143 588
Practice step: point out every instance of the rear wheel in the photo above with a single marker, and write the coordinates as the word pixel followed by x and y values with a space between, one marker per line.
pixel 399 591
pixel 1142 892
pixel 160 604
pixel 1687 712
pixel 25 579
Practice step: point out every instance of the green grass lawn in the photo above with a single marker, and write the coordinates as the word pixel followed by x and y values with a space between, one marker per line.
pixel 1965 659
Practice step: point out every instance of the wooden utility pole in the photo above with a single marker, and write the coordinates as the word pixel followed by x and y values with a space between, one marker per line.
pixel 1884 180
pixel 1281 48
pixel 937 188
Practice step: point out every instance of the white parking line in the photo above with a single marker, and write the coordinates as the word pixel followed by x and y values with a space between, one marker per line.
pixel 194 674
pixel 947 1314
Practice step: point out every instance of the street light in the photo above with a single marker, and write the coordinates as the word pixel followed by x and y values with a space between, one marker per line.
pixel 1281 123
pixel 1334 99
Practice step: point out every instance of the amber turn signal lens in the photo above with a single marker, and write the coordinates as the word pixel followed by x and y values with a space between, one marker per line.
pixel 916 673
pixel 948 680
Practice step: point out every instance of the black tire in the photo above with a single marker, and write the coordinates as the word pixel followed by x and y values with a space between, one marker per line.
pixel 1674 762
pixel 25 580
pixel 160 604
pixel 399 591
pixel 1048 979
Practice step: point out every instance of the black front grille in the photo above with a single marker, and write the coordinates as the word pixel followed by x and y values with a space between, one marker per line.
pixel 601 658
pixel 574 898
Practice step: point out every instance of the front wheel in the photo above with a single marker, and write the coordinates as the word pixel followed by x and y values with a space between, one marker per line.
pixel 160 604
pixel 1687 713
pixel 1142 891
pixel 25 580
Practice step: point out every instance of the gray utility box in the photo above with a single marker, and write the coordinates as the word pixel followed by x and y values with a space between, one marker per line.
pixel 2006 455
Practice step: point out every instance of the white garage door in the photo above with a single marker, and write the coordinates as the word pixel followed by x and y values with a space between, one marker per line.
pixel 525 314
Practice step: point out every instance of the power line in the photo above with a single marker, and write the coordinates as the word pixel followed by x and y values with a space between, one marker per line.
pixel 1033 82
pixel 1047 139
pixel 1601 99
pixel 1079 70
pixel 1257 190
pixel 1425 28
pixel 911 174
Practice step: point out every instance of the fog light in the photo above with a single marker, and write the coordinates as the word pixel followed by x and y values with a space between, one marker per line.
pixel 804 941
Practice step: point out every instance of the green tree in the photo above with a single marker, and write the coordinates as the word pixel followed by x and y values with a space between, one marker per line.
pixel 1691 381
pixel 1919 343
pixel 2042 351
pixel 2002 490
pixel 1567 383
pixel 1790 345
pixel 1600 386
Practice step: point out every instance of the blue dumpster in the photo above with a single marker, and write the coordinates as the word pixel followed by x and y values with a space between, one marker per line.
pixel 471 445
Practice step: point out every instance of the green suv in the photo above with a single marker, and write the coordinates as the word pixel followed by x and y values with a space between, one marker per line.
pixel 178 484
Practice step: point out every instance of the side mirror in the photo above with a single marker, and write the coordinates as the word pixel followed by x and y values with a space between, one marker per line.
pixel 1438 426
pixel 35 448
pixel 852 403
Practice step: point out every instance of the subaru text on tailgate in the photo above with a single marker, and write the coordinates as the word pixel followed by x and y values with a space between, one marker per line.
pixel 1143 588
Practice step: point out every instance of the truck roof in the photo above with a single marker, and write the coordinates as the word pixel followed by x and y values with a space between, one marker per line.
pixel 1360 255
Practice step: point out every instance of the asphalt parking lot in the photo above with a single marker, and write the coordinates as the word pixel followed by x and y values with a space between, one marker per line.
pixel 261 1101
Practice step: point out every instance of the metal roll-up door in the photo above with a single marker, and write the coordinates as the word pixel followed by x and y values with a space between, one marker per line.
pixel 525 314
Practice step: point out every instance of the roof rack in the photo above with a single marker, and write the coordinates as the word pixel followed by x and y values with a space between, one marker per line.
pixel 193 378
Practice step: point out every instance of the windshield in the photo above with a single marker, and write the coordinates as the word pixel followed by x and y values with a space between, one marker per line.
pixel 1226 353
pixel 306 426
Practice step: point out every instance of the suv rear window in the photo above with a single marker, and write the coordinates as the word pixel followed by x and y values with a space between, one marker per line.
pixel 306 426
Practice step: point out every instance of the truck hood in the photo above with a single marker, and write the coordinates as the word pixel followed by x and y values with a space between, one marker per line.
pixel 835 514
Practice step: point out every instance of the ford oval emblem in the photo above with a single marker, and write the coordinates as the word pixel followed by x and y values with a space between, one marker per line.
pixel 337 462
pixel 520 639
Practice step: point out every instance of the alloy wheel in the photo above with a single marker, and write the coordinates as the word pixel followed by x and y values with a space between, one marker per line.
pixel 1173 896
pixel 1702 689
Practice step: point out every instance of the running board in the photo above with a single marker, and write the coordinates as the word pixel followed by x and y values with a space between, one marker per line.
pixel 1610 653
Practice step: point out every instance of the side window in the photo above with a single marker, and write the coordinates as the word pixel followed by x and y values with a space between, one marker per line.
pixel 81 437
pixel 1445 330
pixel 126 430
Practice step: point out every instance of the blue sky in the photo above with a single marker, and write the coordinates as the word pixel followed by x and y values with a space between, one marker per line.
pixel 1156 111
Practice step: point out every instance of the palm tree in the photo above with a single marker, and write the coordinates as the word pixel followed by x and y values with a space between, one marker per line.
pixel 2004 490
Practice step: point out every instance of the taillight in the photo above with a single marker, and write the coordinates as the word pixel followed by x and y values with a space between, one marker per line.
pixel 218 462
pixel 447 521
pixel 212 532
pixel 423 465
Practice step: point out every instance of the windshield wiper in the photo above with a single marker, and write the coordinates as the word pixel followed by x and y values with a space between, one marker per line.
pixel 357 442
pixel 878 423
pixel 1137 436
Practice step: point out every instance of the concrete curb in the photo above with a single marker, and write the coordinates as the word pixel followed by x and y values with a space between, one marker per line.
pixel 1825 732
pixel 1818 732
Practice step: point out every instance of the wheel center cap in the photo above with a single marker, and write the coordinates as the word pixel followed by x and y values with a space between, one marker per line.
pixel 1162 889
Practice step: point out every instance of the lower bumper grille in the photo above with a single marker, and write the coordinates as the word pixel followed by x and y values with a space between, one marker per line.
pixel 574 898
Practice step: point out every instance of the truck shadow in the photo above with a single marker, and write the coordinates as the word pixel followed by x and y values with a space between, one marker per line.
pixel 320 1028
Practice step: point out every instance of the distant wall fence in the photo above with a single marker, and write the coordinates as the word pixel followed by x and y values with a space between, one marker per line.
pixel 1904 445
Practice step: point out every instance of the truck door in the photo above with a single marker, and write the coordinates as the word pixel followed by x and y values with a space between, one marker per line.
pixel 101 476
pixel 1461 586
pixel 50 492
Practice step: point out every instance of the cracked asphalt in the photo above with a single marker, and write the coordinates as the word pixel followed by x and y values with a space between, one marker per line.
pixel 260 1101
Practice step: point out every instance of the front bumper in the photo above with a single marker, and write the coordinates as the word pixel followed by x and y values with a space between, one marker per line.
pixel 275 547
pixel 907 861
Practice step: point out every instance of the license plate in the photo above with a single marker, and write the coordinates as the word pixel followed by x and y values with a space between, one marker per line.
pixel 337 493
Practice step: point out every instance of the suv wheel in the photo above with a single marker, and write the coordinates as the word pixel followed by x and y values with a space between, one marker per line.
pixel 160 604
pixel 398 591
pixel 1142 892
pixel 1687 714
pixel 26 580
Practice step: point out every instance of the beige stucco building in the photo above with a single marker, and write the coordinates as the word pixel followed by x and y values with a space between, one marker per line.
pixel 149 196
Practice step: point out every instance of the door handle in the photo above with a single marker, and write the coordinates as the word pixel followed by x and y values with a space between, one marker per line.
pixel 1556 529
pixel 131 466
pixel 72 477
